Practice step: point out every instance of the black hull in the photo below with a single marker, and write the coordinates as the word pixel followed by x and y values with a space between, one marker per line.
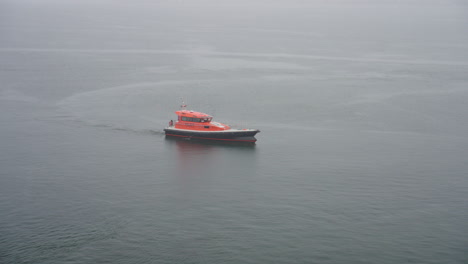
pixel 234 135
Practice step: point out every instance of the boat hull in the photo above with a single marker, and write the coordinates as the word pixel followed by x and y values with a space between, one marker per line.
pixel 247 135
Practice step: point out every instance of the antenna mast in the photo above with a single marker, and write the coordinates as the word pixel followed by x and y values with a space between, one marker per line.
pixel 183 105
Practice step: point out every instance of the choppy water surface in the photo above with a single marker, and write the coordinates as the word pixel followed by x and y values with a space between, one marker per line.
pixel 361 158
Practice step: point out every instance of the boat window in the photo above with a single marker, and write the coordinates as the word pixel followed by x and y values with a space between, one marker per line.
pixel 191 119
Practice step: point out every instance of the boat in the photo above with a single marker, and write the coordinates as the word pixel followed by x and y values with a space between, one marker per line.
pixel 197 125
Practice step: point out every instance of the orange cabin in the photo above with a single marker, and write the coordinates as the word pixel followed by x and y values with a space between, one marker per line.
pixel 192 120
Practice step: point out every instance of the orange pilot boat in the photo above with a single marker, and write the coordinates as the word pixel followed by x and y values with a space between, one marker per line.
pixel 197 125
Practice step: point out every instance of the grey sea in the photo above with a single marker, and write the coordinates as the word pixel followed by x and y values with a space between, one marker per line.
pixel 362 155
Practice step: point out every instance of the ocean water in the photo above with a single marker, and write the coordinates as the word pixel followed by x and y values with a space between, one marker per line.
pixel 362 155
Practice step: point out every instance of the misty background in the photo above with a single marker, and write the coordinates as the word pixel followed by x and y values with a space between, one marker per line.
pixel 361 159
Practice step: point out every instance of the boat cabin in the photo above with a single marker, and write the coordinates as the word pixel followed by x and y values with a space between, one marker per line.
pixel 187 119
pixel 191 116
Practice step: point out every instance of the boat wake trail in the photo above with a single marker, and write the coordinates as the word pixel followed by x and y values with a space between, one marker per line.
pixel 138 107
pixel 244 54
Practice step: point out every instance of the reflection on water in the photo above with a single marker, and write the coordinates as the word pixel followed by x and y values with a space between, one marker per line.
pixel 201 142
pixel 200 163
